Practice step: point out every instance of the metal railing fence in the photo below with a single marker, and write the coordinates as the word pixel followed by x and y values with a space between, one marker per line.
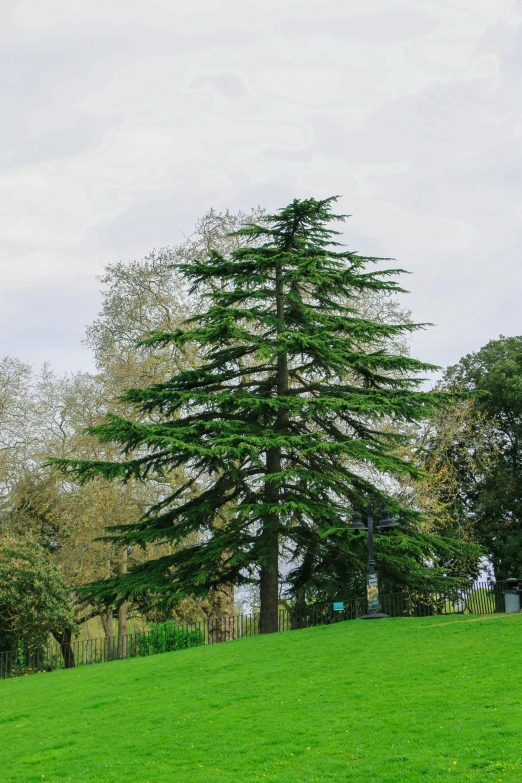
pixel 481 598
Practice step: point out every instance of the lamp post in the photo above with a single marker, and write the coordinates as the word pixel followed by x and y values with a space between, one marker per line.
pixel 372 579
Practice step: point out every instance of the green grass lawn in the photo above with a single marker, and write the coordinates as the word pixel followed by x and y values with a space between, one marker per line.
pixel 402 700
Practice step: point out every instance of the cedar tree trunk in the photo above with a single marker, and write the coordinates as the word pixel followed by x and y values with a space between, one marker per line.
pixel 122 614
pixel 269 572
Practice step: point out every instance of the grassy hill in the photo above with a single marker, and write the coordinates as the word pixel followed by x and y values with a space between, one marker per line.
pixel 398 700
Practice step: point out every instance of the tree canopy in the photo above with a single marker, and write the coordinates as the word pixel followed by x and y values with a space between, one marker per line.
pixel 493 501
pixel 33 596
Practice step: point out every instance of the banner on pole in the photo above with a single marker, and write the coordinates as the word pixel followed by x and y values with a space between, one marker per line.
pixel 372 591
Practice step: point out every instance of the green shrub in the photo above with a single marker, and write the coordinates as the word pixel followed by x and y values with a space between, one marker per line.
pixel 167 637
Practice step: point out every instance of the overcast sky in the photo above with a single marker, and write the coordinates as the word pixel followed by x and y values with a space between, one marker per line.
pixel 123 121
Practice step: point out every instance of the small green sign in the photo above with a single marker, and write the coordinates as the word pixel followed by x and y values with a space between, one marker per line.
pixel 338 606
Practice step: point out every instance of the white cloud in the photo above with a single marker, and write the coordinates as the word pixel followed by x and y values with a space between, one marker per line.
pixel 125 121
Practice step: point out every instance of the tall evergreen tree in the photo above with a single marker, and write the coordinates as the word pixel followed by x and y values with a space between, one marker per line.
pixel 281 424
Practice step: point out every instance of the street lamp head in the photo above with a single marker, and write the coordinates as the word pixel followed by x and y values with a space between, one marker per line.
pixel 356 523
pixel 387 520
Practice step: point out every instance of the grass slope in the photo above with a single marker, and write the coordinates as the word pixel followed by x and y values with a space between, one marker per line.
pixel 432 699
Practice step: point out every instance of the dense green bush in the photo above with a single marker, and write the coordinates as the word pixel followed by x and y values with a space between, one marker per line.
pixel 34 599
pixel 167 637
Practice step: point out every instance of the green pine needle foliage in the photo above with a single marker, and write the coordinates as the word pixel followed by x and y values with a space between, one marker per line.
pixel 278 425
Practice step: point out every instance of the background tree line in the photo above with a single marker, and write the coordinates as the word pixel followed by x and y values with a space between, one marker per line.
pixel 463 490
